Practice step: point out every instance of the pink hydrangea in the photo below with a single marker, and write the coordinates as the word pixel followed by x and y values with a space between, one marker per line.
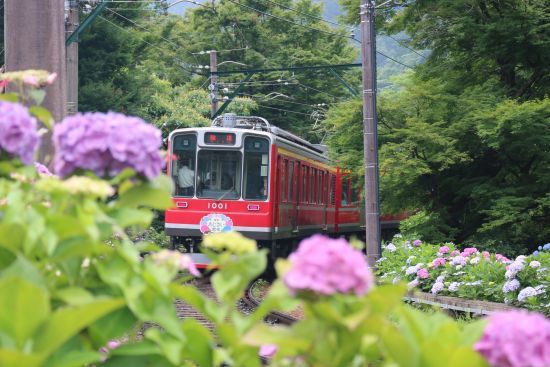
pixel 327 266
pixel 516 339
pixel 438 262
pixel 455 253
pixel 444 250
pixel 423 273
pixel 503 259
pixel 469 251
pixel 268 350
pixel 486 255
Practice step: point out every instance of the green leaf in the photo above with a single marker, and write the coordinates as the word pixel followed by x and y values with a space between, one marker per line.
pixel 43 115
pixel 74 296
pixel 38 95
pixel 9 97
pixel 15 358
pixel 145 195
pixel 126 217
pixel 200 350
pixel 74 358
pixel 112 326
pixel 25 306
pixel 68 321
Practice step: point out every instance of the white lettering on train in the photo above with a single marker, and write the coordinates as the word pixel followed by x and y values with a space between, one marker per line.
pixel 217 205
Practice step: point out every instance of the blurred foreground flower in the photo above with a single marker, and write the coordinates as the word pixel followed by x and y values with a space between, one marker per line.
pixel 516 339
pixel 267 350
pixel 176 260
pixel 233 242
pixel 327 266
pixel 107 143
pixel 18 134
pixel 76 185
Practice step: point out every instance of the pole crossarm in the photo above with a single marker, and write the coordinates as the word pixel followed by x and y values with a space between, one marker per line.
pixel 233 95
pixel 86 23
pixel 345 83
pixel 294 68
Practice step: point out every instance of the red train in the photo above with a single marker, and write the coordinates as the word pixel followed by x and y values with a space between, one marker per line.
pixel 246 175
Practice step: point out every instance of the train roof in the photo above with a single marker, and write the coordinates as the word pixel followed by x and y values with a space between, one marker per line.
pixel 260 124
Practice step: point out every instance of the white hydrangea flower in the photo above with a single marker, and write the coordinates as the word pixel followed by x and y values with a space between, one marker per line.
pixel 453 287
pixel 534 264
pixel 475 260
pixel 391 247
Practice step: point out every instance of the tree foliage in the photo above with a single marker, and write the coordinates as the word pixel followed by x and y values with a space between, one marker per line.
pixel 465 136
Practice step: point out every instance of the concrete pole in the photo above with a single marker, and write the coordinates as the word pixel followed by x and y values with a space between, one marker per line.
pixel 72 59
pixel 214 81
pixel 370 134
pixel 35 39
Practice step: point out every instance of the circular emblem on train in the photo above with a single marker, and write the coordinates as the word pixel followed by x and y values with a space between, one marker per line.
pixel 214 223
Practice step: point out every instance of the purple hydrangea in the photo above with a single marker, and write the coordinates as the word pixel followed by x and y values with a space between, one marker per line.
pixel 530 292
pixel 327 266
pixel 469 251
pixel 391 247
pixel 510 286
pixel 42 170
pixel 107 143
pixel 417 243
pixel 453 287
pixel 18 134
pixel 458 260
pixel 437 287
pixel 516 339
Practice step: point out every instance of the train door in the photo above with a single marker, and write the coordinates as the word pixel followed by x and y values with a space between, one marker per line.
pixel 277 201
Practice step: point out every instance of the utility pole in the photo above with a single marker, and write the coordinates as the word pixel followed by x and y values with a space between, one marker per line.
pixel 35 39
pixel 213 87
pixel 72 59
pixel 370 134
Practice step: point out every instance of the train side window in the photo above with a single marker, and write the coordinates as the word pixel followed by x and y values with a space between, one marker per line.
pixel 304 184
pixel 284 178
pixel 290 190
pixel 320 190
pixel 332 190
pixel 312 186
pixel 184 149
pixel 256 168
pixel 345 191
pixel 353 194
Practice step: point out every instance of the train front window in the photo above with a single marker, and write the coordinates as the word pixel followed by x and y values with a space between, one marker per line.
pixel 256 168
pixel 219 174
pixel 184 148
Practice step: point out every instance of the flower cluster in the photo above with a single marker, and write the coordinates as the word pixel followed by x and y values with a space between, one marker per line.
pixel 327 266
pixel 469 273
pixel 516 339
pixel 107 143
pixel 18 135
pixel 176 260
pixel 233 242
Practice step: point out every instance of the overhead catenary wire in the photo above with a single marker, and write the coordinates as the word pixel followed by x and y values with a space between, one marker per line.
pixel 152 45
pixel 220 51
pixel 304 14
pixel 405 46
pixel 148 30
pixel 289 21
pixel 256 96
pixel 283 110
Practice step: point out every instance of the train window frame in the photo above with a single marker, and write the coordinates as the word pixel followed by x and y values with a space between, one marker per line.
pixel 221 192
pixel 290 187
pixel 265 166
pixel 175 165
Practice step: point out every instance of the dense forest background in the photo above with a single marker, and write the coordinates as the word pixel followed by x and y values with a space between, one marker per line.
pixel 463 107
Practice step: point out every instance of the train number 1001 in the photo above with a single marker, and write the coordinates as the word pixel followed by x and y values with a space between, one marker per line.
pixel 217 205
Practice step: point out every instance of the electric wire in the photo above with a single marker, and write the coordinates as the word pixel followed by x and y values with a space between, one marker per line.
pixel 220 51
pixel 152 45
pixel 148 30
pixel 283 110
pixel 305 14
pixel 405 46
pixel 288 21
pixel 256 96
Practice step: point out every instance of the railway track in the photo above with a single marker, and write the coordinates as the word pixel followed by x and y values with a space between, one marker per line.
pixel 274 317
